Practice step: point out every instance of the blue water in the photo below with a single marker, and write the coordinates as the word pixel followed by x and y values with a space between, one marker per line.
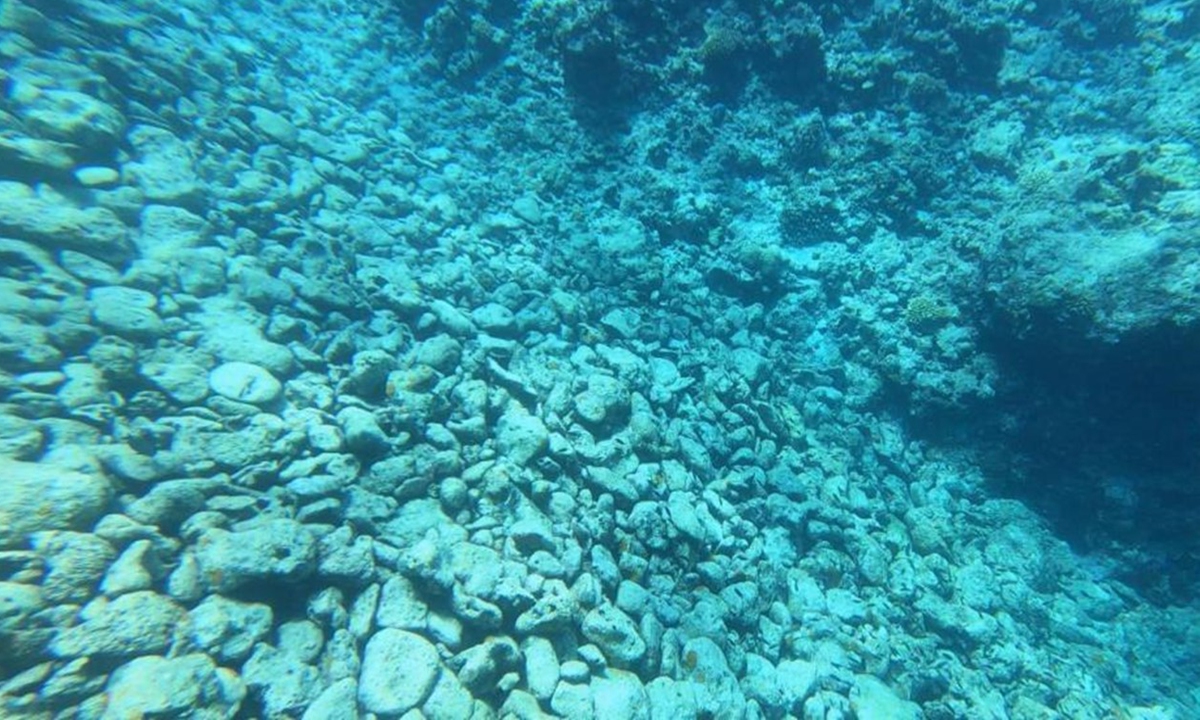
pixel 492 359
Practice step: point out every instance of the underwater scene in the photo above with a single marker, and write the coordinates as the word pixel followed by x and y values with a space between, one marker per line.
pixel 600 359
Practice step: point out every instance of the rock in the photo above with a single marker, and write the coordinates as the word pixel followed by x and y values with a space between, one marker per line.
pixel 528 208
pixel 573 700
pixel 283 684
pixel 494 318
pixel 189 686
pixel 17 603
pixel 620 694
pixel 449 699
pixel 97 176
pixel 368 374
pixel 520 436
pixel 126 312
pixel 164 170
pixel 75 563
pixel 541 667
pixel 796 680
pixel 481 666
pixel 55 156
pixel 138 623
pixel 185 382
pixel 400 606
pixel 440 352
pixel 232 338
pixel 20 439
pixel 399 670
pixel 345 559
pixel 165 230
pixel 336 702
pixel 681 510
pixel 871 699
pixel 43 496
pixel 671 699
pixel 228 629
pixel 362 433
pixel 749 364
pixel 52 222
pixel 273 125
pixel 532 532
pixel 69 116
pixel 245 382
pixel 277 550
pixel 135 569
pixel 615 633
pixel 605 401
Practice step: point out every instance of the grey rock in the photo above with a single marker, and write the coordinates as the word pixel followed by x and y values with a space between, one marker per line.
pixel 573 700
pixel 632 598
pixel 277 550
pixel 20 439
pixel 541 667
pixel 136 568
pixel 227 334
pixel 520 436
pixel 494 318
pixel 283 684
pixel 532 532
pixel 54 223
pixel 449 699
pixel 170 502
pixel 440 352
pixel 345 559
pixel 604 402
pixel 275 126
pixel 138 623
pixel 481 666
pixel 167 233
pixel 455 321
pixel 362 432
pixel 17 603
pixel 44 496
pixel 615 633
pixel 228 629
pixel 69 116
pixel 620 694
pixel 749 364
pixel 399 670
pixel 189 686
pixel 184 382
pixel 336 702
pixel 400 606
pixel 872 699
pixel 669 698
pixel 126 312
pixel 554 611
pixel 164 169
pixel 368 374
pixel 245 382
pixel 201 271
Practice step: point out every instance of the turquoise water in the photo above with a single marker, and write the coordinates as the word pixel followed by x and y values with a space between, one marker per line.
pixel 599 359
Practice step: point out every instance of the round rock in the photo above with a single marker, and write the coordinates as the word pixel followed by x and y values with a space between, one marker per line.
pixel 398 671
pixel 245 382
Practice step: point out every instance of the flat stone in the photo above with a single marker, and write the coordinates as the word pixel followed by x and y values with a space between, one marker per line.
pixel 245 382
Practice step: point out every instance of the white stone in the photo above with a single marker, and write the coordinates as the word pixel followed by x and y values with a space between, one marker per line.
pixel 245 382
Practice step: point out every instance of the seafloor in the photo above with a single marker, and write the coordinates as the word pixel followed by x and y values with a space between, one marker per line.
pixel 474 359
